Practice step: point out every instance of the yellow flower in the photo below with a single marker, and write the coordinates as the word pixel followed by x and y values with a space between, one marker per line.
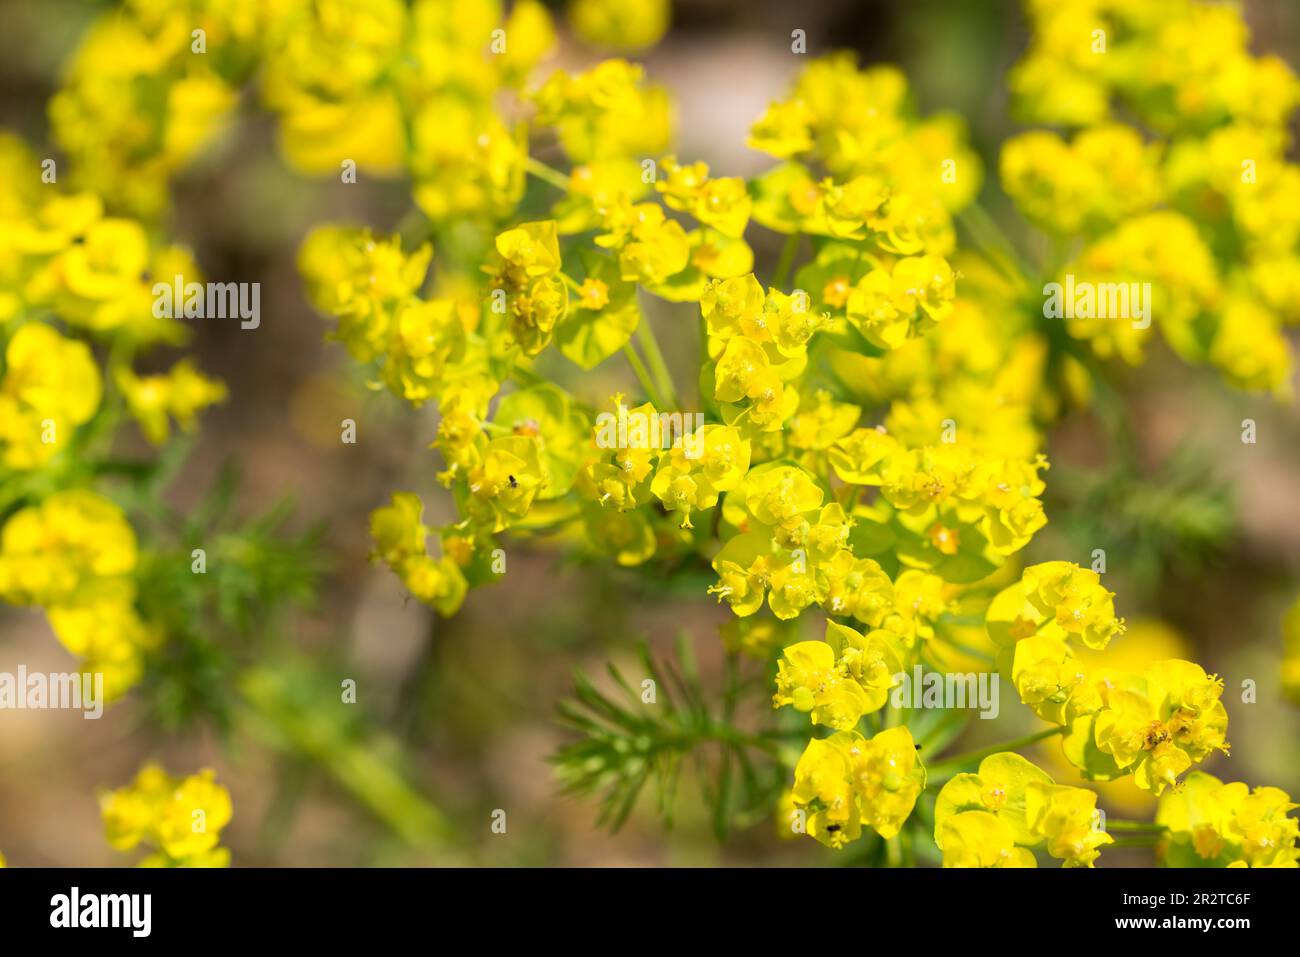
pixel 181 819
pixel 324 77
pixel 1064 600
pixel 892 306
pixel 822 423
pixel 847 780
pixel 809 678
pixel 856 586
pixel 753 566
pixel 650 247
pixel 733 307
pixel 191 821
pixel 108 636
pixel 1000 788
pixel 74 554
pixel 1106 174
pixel 363 282
pixel 528 251
pixel 182 393
pixel 620 26
pixel 980 839
pixel 722 203
pixel 1067 818
pixel 840 679
pixel 1251 348
pixel 781 497
pixel 396 529
pixel 783 130
pixel 1212 824
pixel 51 385
pixel 503 486
pixel 1162 722
pixel 73 546
pixel 401 542
pixel 699 467
pixel 430 342
pixel 1046 675
pixel 607 112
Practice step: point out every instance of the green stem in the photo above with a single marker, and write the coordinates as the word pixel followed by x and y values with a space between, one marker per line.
pixel 278 711
pixel 948 720
pixel 994 244
pixel 784 264
pixel 547 174
pixel 1135 827
pixel 970 757
pixel 893 852
pixel 645 335
pixel 642 375
pixel 526 377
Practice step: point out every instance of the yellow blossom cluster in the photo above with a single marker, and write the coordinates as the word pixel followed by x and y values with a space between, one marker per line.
pixel 178 819
pixel 73 555
pixel 1209 823
pixel 993 817
pixel 1174 177
pixel 75 277
pixel 866 435
pixel 1153 724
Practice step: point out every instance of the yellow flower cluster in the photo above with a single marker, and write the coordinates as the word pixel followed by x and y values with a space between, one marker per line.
pixel 51 386
pixel 869 434
pixel 1212 824
pixel 180 394
pixel 993 818
pixel 385 89
pixel 179 819
pixel 838 680
pixel 615 25
pixel 892 174
pixel 845 781
pixel 139 100
pixel 1203 210
pixel 71 275
pixel 607 113
pixel 74 555
pixel 1154 724
pixel 1085 61
pixel 401 543
pixel 63 254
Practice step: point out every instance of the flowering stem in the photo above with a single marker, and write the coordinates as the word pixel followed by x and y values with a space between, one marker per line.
pixel 955 764
pixel 645 335
pixel 526 377
pixel 642 375
pixel 893 852
pixel 994 244
pixel 786 261
pixel 1135 827
pixel 547 174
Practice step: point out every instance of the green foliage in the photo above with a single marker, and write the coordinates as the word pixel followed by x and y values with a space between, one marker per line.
pixel 1180 518
pixel 628 743
pixel 255 571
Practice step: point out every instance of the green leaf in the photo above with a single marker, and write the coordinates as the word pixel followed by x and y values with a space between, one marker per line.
pixel 587 337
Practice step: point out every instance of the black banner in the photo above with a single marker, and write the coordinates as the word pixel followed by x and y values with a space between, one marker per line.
pixel 332 906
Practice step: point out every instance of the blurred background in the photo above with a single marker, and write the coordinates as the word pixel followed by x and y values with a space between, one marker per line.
pixel 1209 528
